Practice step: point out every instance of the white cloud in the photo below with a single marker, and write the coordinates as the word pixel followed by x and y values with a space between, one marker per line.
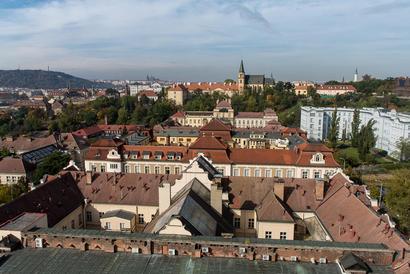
pixel 100 37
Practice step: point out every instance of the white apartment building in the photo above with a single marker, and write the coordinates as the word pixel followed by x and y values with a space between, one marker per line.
pixel 390 126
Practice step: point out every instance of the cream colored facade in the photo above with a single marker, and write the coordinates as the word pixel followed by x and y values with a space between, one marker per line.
pixel 144 214
pixel 118 224
pixel 73 220
pixel 11 178
pixel 248 170
pixel 180 140
pixel 276 230
pixel 176 95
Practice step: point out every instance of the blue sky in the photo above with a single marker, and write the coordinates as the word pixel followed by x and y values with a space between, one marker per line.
pixel 204 40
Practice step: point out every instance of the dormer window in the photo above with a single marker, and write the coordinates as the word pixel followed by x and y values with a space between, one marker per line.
pixel 170 155
pixel 158 155
pixel 317 158
pixel 178 156
pixel 145 155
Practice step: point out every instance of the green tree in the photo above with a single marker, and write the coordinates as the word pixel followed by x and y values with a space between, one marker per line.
pixel 403 149
pixel 398 198
pixel 366 140
pixel 354 135
pixel 122 116
pixel 334 129
pixel 51 165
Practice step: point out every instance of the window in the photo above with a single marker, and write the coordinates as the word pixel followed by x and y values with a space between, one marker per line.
pixel 127 169
pixel 176 170
pixel 167 170
pixel 102 168
pixel 89 216
pixel 137 169
pixel 146 169
pixel 237 222
pixel 268 173
pixel 101 214
pixel 107 225
pixel 145 156
pixel 113 166
pixel 158 157
pixel 122 226
pixel 257 172
pixel 268 234
pixel 251 223
pixel 93 168
pixel 282 236
pixel 80 219
pixel 72 224
pixel 236 172
pixel 278 173
pixel 141 218
pixel 289 173
pixel 305 174
pixel 317 174
pixel 221 170
pixel 8 179
pixel 156 170
pixel 170 157
pixel 246 172
pixel 64 227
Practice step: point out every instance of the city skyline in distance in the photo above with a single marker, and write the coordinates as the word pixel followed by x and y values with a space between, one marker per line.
pixel 205 40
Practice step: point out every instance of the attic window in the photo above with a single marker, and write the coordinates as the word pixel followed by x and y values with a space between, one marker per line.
pixel 317 158
pixel 158 155
pixel 146 155
pixel 178 156
pixel 170 155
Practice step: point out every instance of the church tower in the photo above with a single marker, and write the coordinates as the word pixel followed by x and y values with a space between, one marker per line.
pixel 241 78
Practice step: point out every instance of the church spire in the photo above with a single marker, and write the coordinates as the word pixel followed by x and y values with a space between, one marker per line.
pixel 241 69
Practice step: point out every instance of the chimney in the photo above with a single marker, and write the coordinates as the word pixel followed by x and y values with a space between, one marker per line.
pixel 279 189
pixel 89 177
pixel 216 197
pixel 164 196
pixel 320 190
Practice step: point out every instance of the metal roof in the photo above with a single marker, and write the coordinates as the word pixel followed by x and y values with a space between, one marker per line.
pixel 122 214
pixel 52 260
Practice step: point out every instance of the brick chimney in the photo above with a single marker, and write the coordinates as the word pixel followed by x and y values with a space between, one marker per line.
pixel 320 190
pixel 164 196
pixel 216 197
pixel 89 177
pixel 279 190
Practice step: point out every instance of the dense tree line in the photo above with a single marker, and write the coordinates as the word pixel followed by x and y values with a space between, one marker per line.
pixel 124 110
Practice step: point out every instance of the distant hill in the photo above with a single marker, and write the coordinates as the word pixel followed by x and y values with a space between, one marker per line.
pixel 37 79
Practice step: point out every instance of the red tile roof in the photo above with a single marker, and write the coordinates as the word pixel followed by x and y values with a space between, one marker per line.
pixel 223 104
pixel 128 189
pixel 24 144
pixel 215 125
pixel 57 198
pixel 249 115
pixel 272 209
pixel 263 156
pixel 208 143
pixel 347 219
pixel 13 166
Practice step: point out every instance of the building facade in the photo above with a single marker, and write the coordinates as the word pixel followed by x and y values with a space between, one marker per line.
pixel 389 126
pixel 303 161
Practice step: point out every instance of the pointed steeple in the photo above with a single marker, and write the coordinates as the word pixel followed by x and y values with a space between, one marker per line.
pixel 241 69
pixel 356 71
